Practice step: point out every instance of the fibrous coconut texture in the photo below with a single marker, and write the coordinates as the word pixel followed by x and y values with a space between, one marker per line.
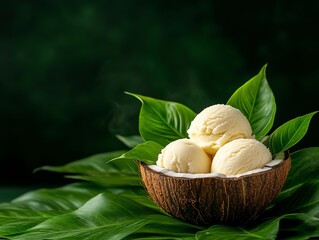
pixel 207 201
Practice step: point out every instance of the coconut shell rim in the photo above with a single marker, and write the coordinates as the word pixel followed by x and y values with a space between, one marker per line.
pixel 272 168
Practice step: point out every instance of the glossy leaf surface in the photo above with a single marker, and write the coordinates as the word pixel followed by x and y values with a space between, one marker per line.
pixel 145 152
pixel 256 101
pixel 163 121
pixel 97 169
pixel 37 206
pixel 80 211
pixel 109 216
pixel 289 134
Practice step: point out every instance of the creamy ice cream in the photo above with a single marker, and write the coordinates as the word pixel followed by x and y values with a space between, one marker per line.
pixel 239 156
pixel 217 125
pixel 184 156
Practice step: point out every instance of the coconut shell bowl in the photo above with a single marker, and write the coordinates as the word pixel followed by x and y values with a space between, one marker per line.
pixel 216 200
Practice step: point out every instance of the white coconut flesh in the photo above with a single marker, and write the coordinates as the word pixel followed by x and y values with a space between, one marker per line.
pixel 278 159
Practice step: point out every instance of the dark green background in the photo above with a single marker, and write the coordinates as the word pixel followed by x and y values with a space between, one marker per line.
pixel 64 67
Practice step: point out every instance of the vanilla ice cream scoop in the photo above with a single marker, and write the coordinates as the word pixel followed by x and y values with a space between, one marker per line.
pixel 184 156
pixel 239 156
pixel 217 125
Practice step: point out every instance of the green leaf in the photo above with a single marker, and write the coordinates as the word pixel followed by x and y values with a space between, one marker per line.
pixel 128 213
pixel 146 152
pixel 163 121
pixel 37 206
pixel 288 226
pixel 96 169
pixel 109 216
pixel 304 199
pixel 304 167
pixel 110 180
pixel 130 141
pixel 92 164
pixel 298 226
pixel 266 230
pixel 256 101
pixel 299 201
pixel 289 134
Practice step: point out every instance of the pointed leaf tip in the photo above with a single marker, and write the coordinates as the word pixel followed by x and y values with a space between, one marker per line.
pixel 137 96
pixel 290 133
pixel 256 101
pixel 163 121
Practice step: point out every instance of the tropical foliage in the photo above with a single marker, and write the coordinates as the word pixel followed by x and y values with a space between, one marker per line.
pixel 108 201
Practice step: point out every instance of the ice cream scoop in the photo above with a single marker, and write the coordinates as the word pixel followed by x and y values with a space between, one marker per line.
pixel 217 125
pixel 184 156
pixel 239 156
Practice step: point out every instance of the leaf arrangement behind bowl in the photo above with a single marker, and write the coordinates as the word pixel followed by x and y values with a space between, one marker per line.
pixel 161 122
pixel 112 204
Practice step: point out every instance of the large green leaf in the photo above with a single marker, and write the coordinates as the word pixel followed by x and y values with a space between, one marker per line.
pixel 127 213
pixel 298 226
pixel 301 189
pixel 96 169
pixel 163 121
pixel 304 167
pixel 266 230
pixel 256 101
pixel 109 216
pixel 303 221
pixel 35 207
pixel 146 152
pixel 290 133
pixel 92 164
pixel 304 199
pixel 298 203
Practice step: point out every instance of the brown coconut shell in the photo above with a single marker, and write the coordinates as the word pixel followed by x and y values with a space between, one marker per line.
pixel 207 201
